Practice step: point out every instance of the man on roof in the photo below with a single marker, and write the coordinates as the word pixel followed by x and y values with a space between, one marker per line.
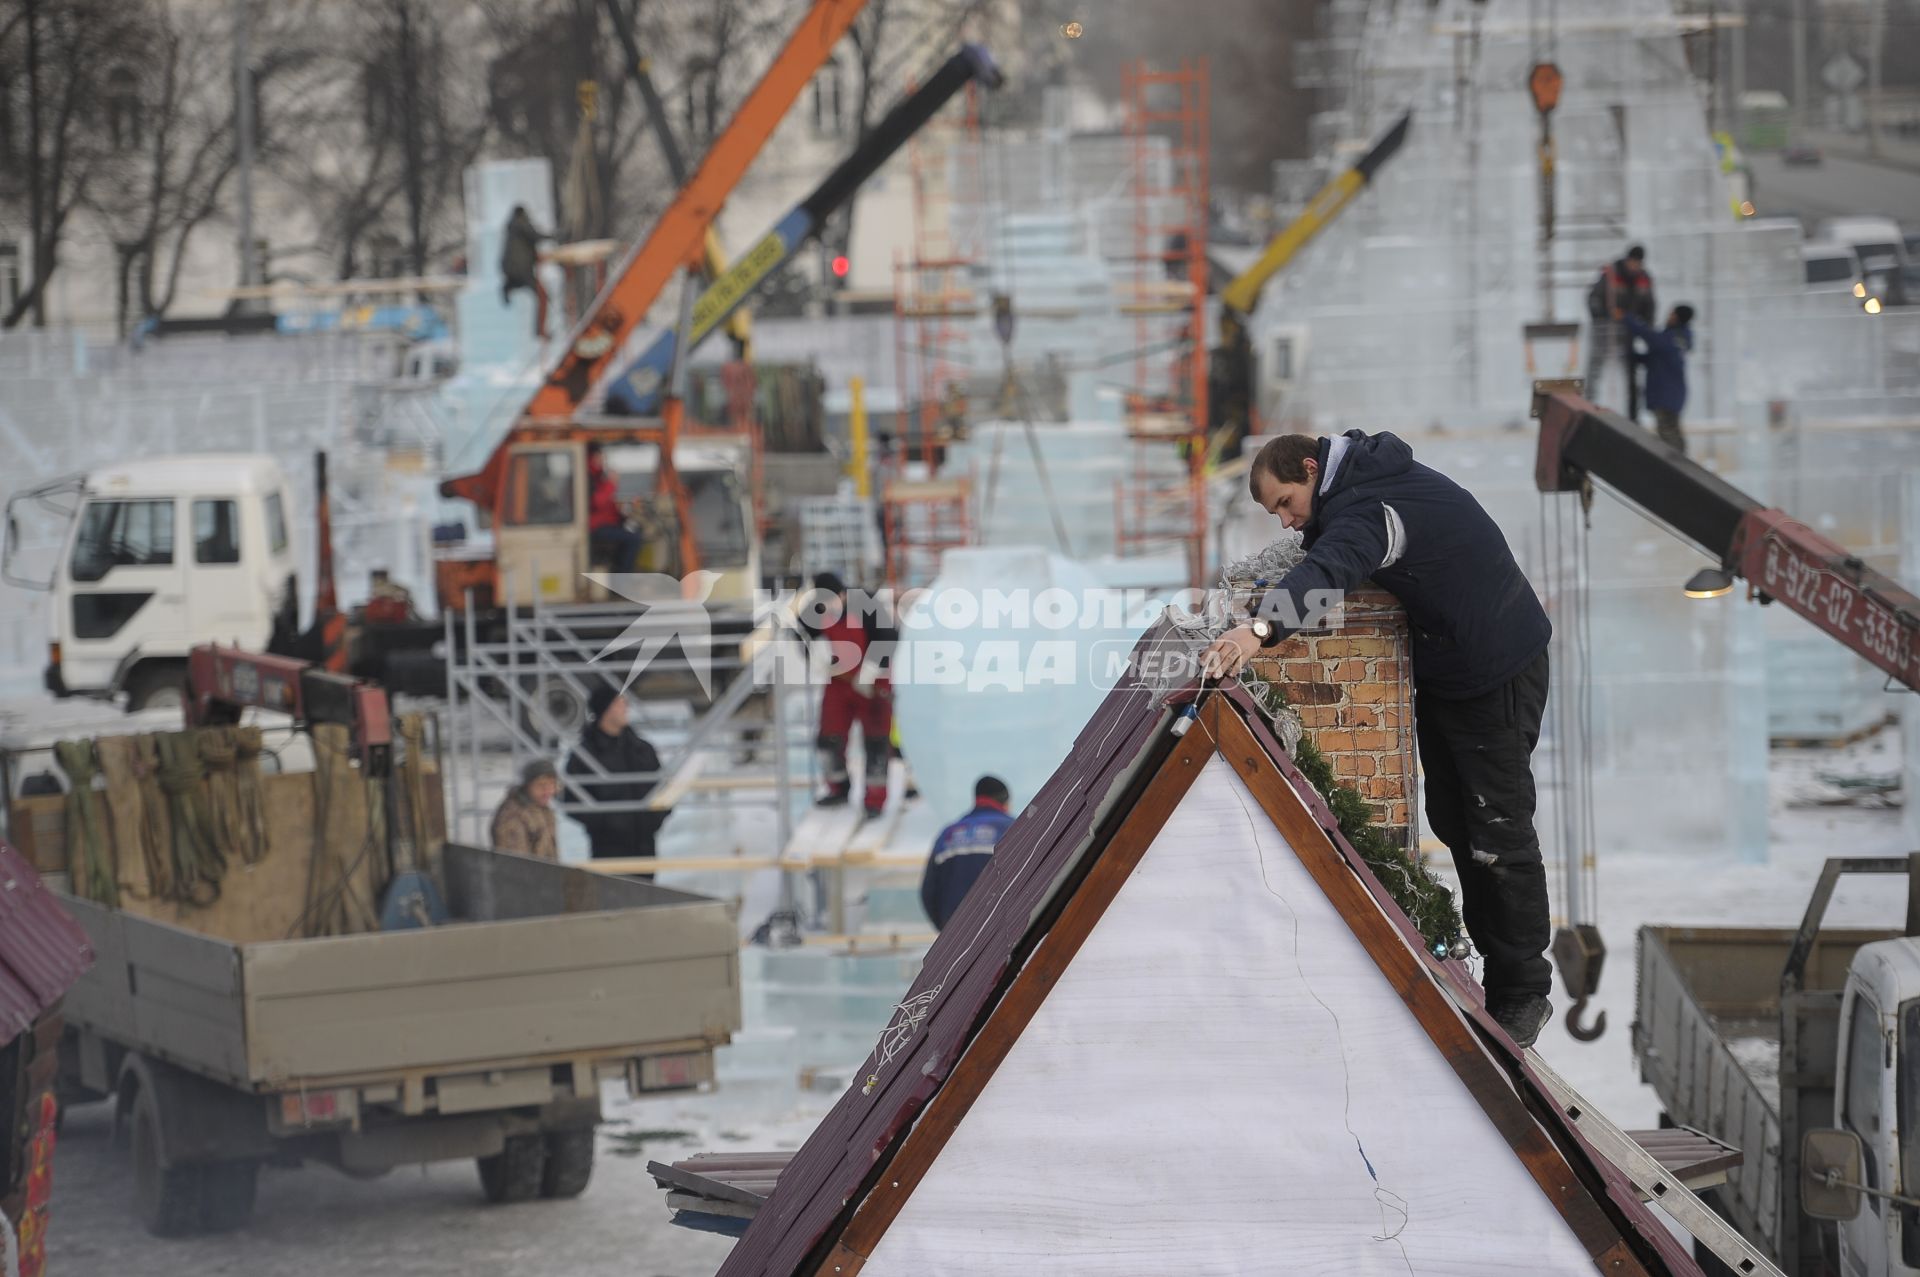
pixel 1369 512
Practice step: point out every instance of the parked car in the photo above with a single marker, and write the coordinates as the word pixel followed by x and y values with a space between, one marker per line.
pixel 1801 156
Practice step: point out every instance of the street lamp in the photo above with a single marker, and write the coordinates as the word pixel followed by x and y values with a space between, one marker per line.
pixel 1709 583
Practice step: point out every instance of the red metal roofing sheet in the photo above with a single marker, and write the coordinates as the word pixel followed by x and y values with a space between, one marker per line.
pixel 42 949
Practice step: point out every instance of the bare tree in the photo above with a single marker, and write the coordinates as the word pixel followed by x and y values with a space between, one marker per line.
pixel 172 118
pixel 891 41
pixel 69 56
pixel 546 54
pixel 382 153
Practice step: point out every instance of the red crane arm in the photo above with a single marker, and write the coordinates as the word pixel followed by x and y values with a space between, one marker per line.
pixel 1829 585
pixel 1779 556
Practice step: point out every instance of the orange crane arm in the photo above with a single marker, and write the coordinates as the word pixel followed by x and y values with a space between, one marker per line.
pixel 678 237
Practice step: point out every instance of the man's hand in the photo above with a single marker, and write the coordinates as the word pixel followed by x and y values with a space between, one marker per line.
pixel 1229 653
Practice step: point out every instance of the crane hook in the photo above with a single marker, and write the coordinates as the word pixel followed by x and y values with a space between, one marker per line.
pixel 1574 1027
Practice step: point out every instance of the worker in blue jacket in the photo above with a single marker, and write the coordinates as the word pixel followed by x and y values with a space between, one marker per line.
pixel 961 852
pixel 1478 636
pixel 1666 363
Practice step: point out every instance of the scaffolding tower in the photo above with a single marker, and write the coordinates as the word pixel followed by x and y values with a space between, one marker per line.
pixel 1161 501
pixel 936 300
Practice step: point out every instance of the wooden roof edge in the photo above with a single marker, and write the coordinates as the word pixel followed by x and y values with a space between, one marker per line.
pixel 1632 1215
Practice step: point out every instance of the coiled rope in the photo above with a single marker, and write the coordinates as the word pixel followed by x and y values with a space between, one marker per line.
pixel 239 821
pixel 88 860
pixel 197 863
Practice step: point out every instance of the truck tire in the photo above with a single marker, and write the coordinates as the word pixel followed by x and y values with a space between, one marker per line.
pixel 514 1173
pixel 168 1199
pixel 156 685
pixel 226 1194
pixel 569 1163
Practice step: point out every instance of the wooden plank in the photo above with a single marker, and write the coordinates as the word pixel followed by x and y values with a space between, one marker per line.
pixel 1450 1032
pixel 1117 859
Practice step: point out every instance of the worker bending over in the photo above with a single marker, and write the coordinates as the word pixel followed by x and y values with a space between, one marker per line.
pixel 961 852
pixel 1369 511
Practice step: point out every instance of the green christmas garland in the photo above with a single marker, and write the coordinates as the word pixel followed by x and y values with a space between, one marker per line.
pixel 1425 899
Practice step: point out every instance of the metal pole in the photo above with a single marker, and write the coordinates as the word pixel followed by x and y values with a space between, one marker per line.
pixel 782 780
pixel 473 703
pixel 1800 116
pixel 1737 72
pixel 1876 38
pixel 452 744
pixel 857 431
pixel 243 140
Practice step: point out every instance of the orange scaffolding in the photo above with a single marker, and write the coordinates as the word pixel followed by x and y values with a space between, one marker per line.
pixel 934 302
pixel 923 519
pixel 1161 499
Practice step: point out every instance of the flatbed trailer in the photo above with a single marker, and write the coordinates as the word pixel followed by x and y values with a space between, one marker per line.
pixel 490 1036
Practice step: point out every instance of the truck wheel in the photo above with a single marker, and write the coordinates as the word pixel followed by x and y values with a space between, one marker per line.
pixel 226 1194
pixel 167 1198
pixel 514 1173
pixel 156 686
pixel 569 1163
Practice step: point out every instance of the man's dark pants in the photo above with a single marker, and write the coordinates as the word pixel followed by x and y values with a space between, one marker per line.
pixel 1476 756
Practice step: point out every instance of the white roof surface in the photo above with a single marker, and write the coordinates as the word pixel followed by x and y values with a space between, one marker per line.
pixel 225 472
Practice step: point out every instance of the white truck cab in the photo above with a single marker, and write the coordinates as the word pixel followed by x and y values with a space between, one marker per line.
pixel 1877 1100
pixel 720 495
pixel 158 555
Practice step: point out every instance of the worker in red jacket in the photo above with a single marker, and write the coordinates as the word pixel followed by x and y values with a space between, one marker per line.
pixel 614 543
pixel 854 693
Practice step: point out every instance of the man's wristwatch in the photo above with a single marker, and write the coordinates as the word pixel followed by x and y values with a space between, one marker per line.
pixel 1262 630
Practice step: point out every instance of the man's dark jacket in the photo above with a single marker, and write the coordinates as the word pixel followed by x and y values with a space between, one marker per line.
pixel 1666 363
pixel 1474 618
pixel 617 833
pixel 960 856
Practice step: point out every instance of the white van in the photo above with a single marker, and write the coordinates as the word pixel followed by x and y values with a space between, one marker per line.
pixel 159 555
pixel 1874 240
pixel 1830 268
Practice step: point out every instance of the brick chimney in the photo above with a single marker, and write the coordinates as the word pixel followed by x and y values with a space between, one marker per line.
pixel 1353 688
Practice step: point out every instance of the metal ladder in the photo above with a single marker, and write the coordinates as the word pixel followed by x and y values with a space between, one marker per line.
pixel 1652 1179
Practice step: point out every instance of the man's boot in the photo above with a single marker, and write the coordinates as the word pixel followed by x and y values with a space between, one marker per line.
pixel 1522 1015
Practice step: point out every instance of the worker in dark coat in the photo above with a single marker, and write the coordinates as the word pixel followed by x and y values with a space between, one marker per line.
pixel 1666 364
pixel 961 852
pixel 1369 512
pixel 520 262
pixel 608 746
